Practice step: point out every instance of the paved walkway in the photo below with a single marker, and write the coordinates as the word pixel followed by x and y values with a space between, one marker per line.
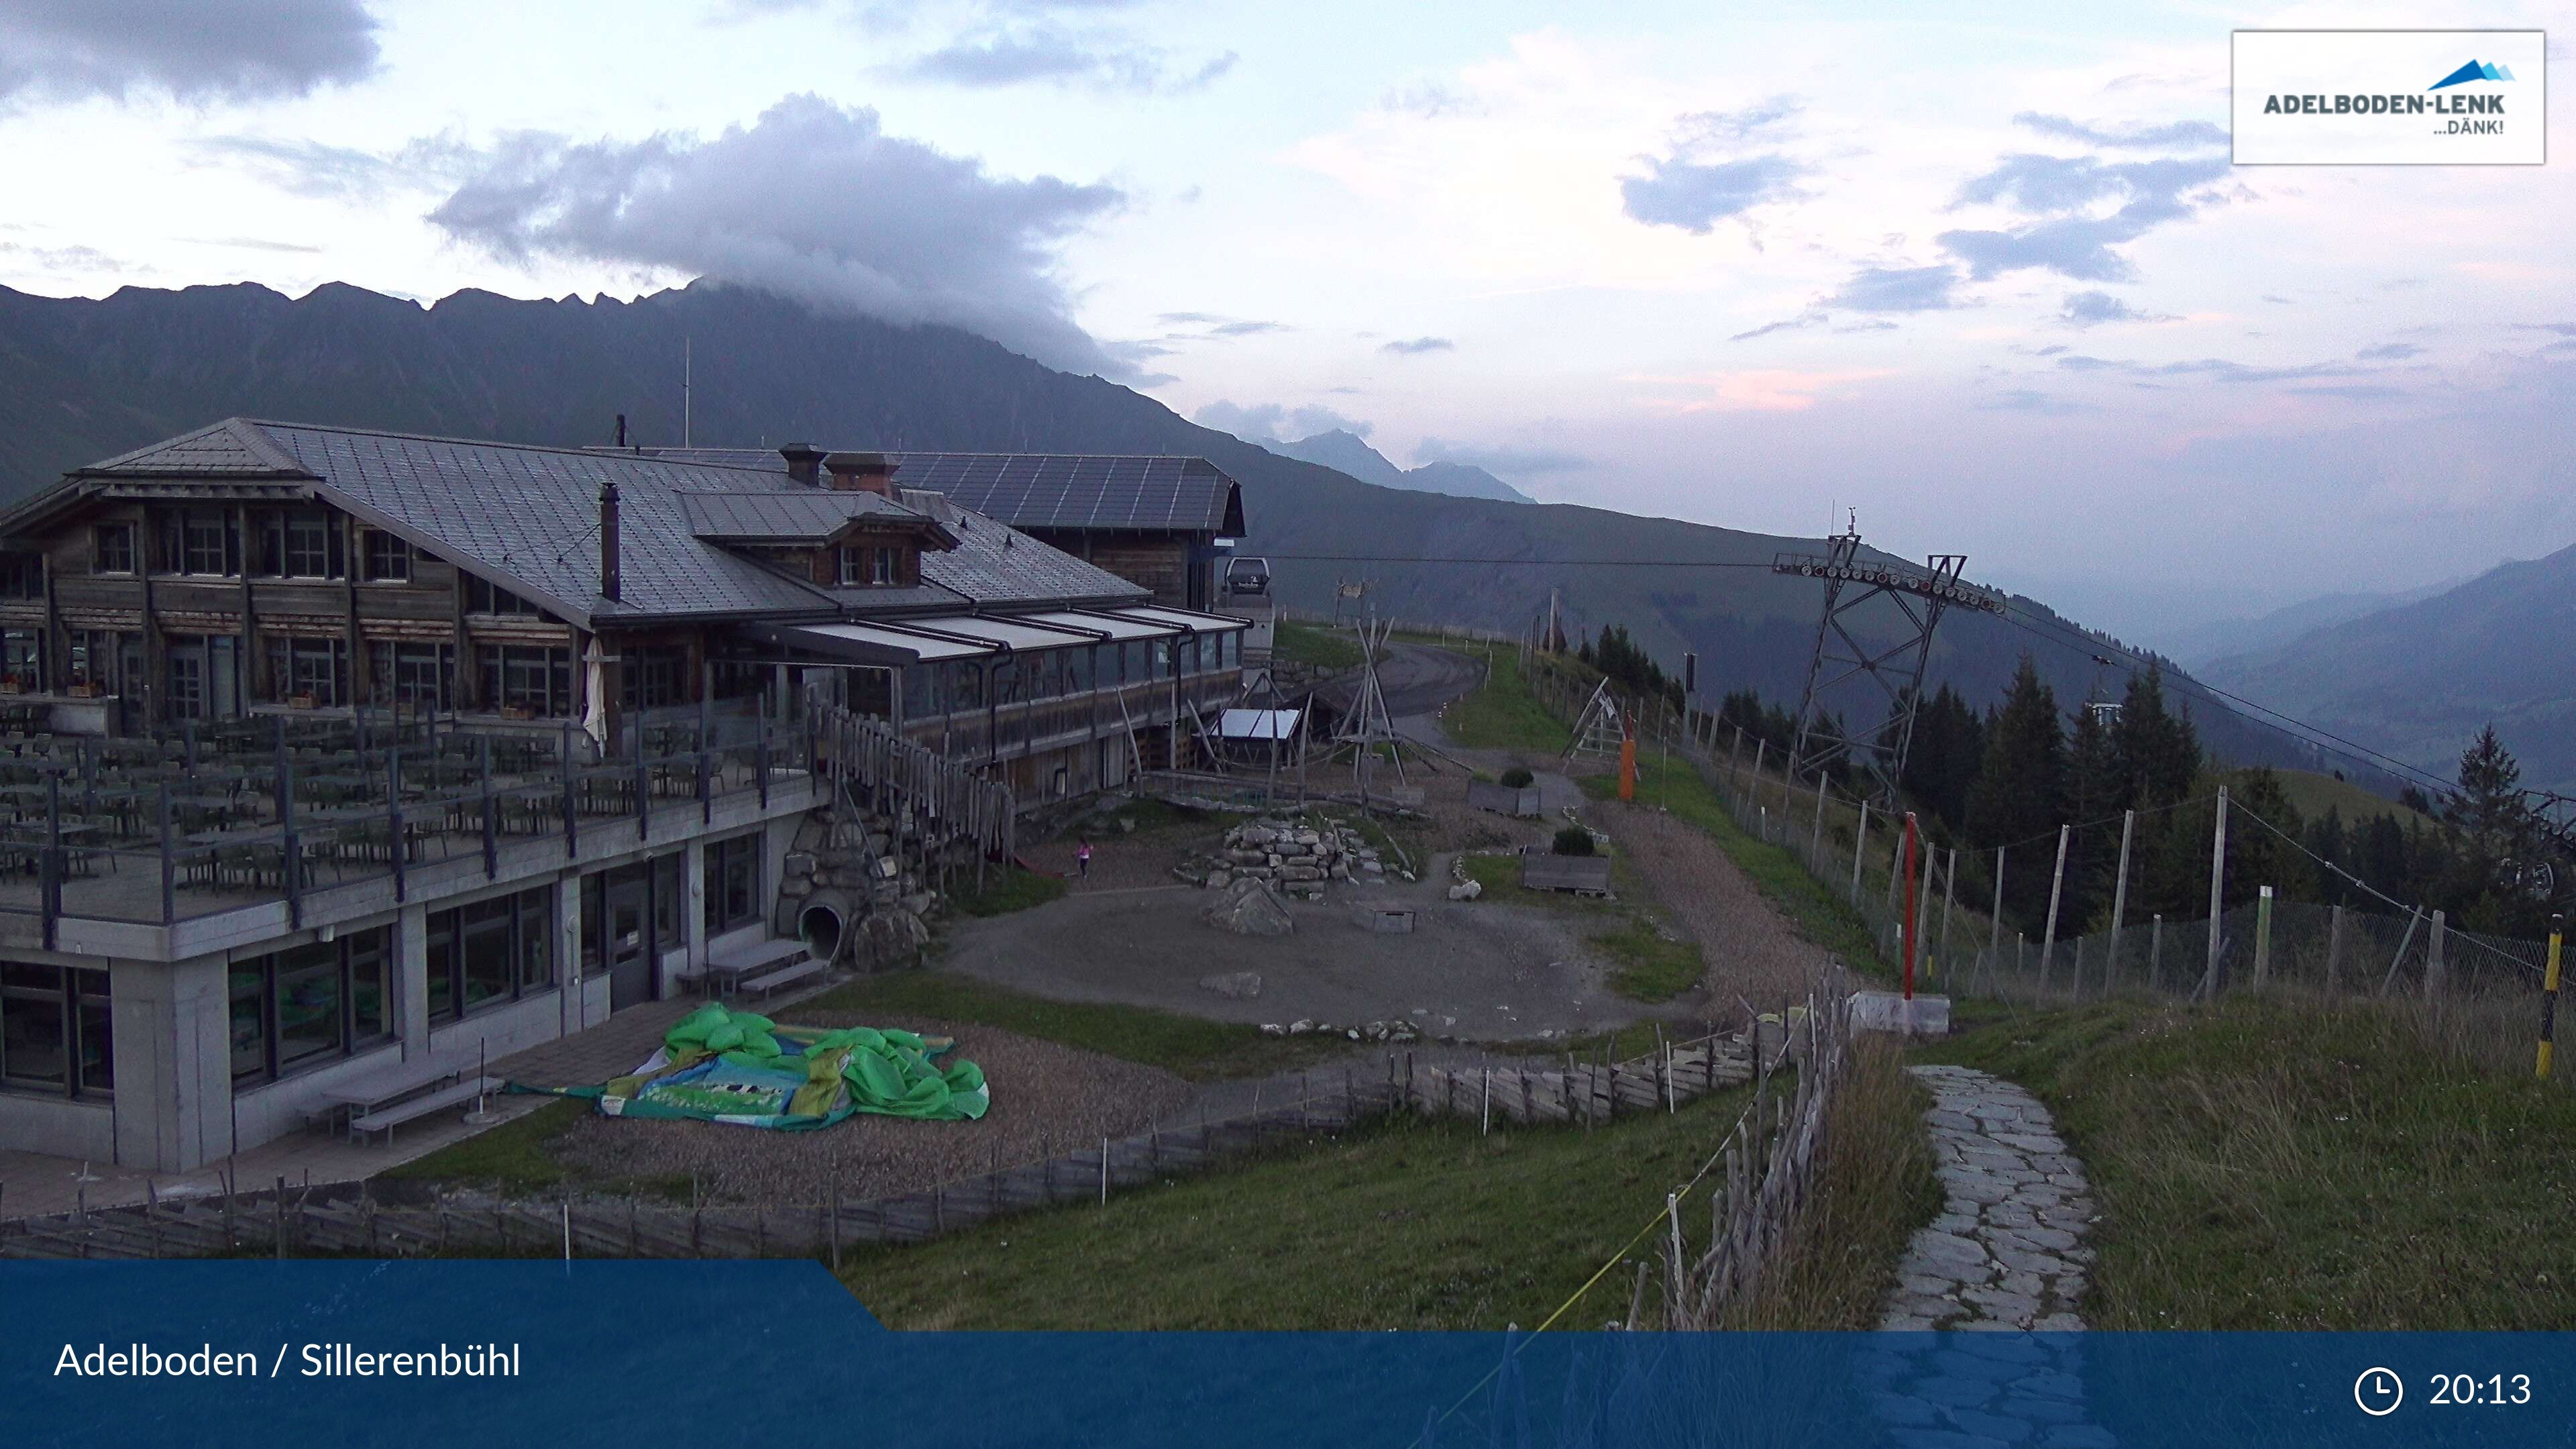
pixel 2007 1250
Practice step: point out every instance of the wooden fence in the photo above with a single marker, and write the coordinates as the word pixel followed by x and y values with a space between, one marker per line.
pixel 356 1219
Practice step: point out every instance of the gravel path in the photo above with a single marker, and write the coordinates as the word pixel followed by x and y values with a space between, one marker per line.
pixel 1750 950
pixel 1047 1098
pixel 2008 1249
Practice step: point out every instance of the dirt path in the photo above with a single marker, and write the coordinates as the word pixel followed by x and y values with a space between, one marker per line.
pixel 1752 951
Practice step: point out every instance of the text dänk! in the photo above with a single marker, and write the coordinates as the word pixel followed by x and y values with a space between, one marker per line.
pixel 2383 105
pixel 315 1360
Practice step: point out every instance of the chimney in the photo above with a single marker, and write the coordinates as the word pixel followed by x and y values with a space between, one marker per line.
pixel 861 473
pixel 804 462
pixel 609 583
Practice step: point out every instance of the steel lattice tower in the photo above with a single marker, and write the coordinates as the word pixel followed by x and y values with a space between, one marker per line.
pixel 1839 657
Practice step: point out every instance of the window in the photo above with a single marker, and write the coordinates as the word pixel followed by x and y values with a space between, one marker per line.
pixel 318 668
pixel 666 898
pixel 304 544
pixel 869 568
pixel 968 682
pixel 22 576
pixel 55 1032
pixel 22 657
pixel 414 676
pixel 112 549
pixel 654 676
pixel 388 558
pixel 529 677
pixel 310 1004
pixel 1078 663
pixel 112 661
pixel 924 696
pixel 490 952
pixel 1137 660
pixel 199 541
pixel 186 695
pixel 733 882
pixel 483 597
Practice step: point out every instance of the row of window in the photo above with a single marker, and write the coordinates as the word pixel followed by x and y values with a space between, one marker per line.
pixel 870 567
pixel 325 1000
pixel 305 544
pixel 969 684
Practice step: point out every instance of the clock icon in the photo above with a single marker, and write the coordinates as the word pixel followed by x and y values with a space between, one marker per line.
pixel 2378 1391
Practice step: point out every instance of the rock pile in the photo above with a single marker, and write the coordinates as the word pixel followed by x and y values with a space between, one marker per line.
pixel 851 860
pixel 1398 1030
pixel 1249 907
pixel 1296 857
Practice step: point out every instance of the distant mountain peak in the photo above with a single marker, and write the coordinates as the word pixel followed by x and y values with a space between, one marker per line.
pixel 1347 452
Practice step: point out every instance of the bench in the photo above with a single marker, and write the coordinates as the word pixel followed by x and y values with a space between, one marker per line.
pixel 386 1118
pixel 759 966
pixel 778 978
pixel 1585 875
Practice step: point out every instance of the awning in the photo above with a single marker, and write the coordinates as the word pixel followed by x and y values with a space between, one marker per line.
pixel 1012 633
pixel 1190 620
pixel 875 644
pixel 1257 724
pixel 1114 626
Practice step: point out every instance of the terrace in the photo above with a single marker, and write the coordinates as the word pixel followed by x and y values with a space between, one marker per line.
pixel 220 816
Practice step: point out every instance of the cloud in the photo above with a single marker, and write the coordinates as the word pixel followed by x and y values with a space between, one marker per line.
pixel 1272 423
pixel 2218 368
pixel 250 243
pixel 202 50
pixel 1897 289
pixel 1414 346
pixel 2389 352
pixel 2091 309
pixel 338 173
pixel 1767 390
pixel 1785 324
pixel 811 201
pixel 1699 185
pixel 2354 391
pixel 2176 135
pixel 72 259
pixel 1210 326
pixel 1502 460
pixel 1695 197
pixel 1017 55
pixel 2029 400
pixel 2072 242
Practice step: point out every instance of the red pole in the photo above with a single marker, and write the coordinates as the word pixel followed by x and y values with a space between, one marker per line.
pixel 1913 847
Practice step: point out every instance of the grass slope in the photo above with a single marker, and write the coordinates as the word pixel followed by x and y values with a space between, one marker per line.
pixel 2269 1163
pixel 1414 1224
pixel 1501 714
pixel 1308 644
pixel 2312 793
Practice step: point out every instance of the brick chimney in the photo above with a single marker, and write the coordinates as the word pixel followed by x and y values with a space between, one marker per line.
pixel 609 583
pixel 804 462
pixel 861 473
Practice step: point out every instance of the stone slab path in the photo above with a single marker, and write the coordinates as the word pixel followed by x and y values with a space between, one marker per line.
pixel 2008 1250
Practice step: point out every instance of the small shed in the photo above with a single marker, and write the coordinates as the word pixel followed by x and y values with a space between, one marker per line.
pixel 1521 803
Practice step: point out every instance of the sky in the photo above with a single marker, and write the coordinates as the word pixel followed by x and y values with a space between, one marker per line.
pixel 1982 274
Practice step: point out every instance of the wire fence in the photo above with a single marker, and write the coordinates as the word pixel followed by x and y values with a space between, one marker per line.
pixel 2121 905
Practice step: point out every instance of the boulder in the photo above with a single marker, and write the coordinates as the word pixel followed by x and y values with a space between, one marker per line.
pixel 1249 907
pixel 1217 880
pixel 1466 891
pixel 888 937
pixel 1235 985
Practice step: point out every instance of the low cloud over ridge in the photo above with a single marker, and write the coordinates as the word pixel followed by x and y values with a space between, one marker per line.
pixel 811 201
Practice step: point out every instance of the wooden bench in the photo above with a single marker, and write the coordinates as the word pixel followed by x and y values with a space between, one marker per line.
pixel 393 1114
pixel 759 966
pixel 778 978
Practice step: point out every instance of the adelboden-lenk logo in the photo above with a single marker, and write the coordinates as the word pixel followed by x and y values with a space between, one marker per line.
pixel 2326 97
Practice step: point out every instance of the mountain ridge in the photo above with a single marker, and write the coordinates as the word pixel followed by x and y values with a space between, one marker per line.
pixel 84 379
pixel 1347 452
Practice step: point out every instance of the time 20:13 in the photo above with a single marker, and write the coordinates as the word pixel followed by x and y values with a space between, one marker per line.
pixel 2500 1389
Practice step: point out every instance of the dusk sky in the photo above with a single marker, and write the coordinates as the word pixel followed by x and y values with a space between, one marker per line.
pixel 1984 274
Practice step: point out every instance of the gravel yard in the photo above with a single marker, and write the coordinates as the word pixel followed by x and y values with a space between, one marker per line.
pixel 1046 1099
pixel 1750 949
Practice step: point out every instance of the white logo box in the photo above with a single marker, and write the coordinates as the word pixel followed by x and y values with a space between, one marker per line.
pixel 2368 98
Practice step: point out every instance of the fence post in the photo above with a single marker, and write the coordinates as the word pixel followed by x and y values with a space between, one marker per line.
pixel 1995 933
pixel 1860 841
pixel 2056 887
pixel 1816 833
pixel 2434 964
pixel 2217 897
pixel 2119 901
pixel 1925 908
pixel 1949 898
pixel 2549 999
pixel 2156 954
pixel 2334 949
pixel 2263 938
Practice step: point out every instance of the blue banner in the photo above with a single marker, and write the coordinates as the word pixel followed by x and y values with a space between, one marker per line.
pixel 632 1354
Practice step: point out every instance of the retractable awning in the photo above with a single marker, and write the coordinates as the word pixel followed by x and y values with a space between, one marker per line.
pixel 1011 633
pixel 1110 626
pixel 1190 620
pixel 875 644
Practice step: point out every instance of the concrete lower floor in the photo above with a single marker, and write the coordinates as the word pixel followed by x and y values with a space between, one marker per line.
pixel 182 1063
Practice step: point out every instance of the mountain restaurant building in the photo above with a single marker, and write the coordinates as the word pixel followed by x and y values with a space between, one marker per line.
pixel 324 751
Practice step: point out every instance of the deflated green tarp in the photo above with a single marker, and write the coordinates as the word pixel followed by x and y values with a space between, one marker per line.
pixel 739 1067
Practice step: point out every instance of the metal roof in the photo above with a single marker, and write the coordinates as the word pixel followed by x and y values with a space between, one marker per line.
pixel 1005 633
pixel 790 515
pixel 1113 625
pixel 1101 492
pixel 860 641
pixel 1190 620
pixel 527 518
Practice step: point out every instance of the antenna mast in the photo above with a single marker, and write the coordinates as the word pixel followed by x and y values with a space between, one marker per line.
pixel 685 366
